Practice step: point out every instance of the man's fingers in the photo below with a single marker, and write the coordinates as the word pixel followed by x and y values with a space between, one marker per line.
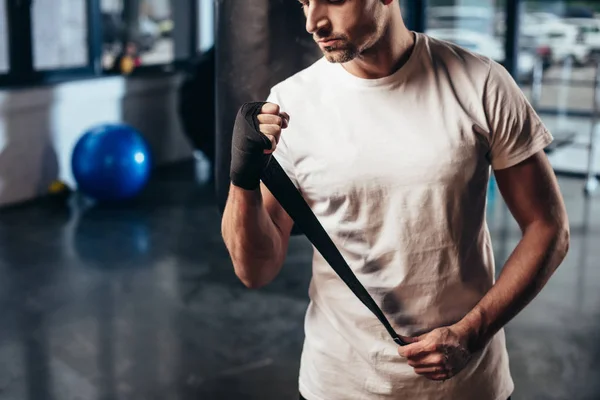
pixel 270 119
pixel 410 339
pixel 286 119
pixel 281 119
pixel 273 130
pixel 437 377
pixel 427 360
pixel 437 370
pixel 417 349
pixel 270 108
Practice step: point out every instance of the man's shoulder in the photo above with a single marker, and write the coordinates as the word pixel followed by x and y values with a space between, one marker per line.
pixel 448 48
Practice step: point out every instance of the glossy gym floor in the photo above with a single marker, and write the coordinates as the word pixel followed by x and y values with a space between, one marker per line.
pixel 140 302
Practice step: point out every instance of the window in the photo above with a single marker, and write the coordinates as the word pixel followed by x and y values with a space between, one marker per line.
pixel 467 45
pixel 143 34
pixel 206 35
pixel 556 35
pixel 3 39
pixel 60 34
pixel 475 28
pixel 564 48
pixel 445 15
pixel 51 41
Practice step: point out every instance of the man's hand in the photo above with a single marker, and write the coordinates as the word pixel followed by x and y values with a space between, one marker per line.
pixel 440 354
pixel 255 135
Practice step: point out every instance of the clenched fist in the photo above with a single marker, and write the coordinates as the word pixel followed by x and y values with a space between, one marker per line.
pixel 256 133
pixel 271 123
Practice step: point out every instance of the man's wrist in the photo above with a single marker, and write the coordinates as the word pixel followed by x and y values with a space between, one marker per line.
pixel 473 328
pixel 249 186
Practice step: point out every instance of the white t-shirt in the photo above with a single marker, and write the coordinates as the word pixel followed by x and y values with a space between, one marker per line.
pixel 396 170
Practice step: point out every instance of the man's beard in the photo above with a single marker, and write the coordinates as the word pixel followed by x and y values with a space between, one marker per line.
pixel 340 54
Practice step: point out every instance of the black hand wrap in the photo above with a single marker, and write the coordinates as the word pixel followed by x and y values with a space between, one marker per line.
pixel 247 148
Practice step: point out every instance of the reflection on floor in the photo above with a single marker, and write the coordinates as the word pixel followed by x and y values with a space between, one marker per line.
pixel 139 302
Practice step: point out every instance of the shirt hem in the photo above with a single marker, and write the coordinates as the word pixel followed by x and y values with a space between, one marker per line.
pixel 309 395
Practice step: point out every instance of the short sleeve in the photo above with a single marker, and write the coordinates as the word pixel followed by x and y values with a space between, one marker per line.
pixel 516 130
pixel 282 152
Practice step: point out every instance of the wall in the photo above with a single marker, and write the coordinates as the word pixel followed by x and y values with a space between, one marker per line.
pixel 40 126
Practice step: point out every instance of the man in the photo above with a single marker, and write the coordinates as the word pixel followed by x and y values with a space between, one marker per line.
pixel 390 138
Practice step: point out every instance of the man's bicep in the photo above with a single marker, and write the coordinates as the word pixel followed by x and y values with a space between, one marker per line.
pixel 531 192
pixel 278 215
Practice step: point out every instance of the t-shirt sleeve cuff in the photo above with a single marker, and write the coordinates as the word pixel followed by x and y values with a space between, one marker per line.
pixel 540 142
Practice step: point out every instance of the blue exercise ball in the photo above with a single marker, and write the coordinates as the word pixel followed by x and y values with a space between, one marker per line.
pixel 111 162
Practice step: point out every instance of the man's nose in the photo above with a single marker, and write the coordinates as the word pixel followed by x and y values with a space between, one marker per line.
pixel 316 17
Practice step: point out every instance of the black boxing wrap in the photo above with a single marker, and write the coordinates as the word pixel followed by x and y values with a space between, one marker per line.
pixel 247 148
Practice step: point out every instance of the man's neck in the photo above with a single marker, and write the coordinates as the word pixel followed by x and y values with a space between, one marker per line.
pixel 385 57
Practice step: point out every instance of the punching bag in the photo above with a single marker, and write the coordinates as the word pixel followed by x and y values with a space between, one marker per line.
pixel 196 104
pixel 259 43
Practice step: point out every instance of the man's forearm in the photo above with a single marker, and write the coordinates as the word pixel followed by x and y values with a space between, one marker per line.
pixel 539 253
pixel 251 238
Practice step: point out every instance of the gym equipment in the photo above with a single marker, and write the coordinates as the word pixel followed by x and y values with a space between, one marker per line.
pixel 111 162
pixel 196 104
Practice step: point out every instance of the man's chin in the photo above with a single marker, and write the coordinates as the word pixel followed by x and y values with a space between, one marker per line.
pixel 338 56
